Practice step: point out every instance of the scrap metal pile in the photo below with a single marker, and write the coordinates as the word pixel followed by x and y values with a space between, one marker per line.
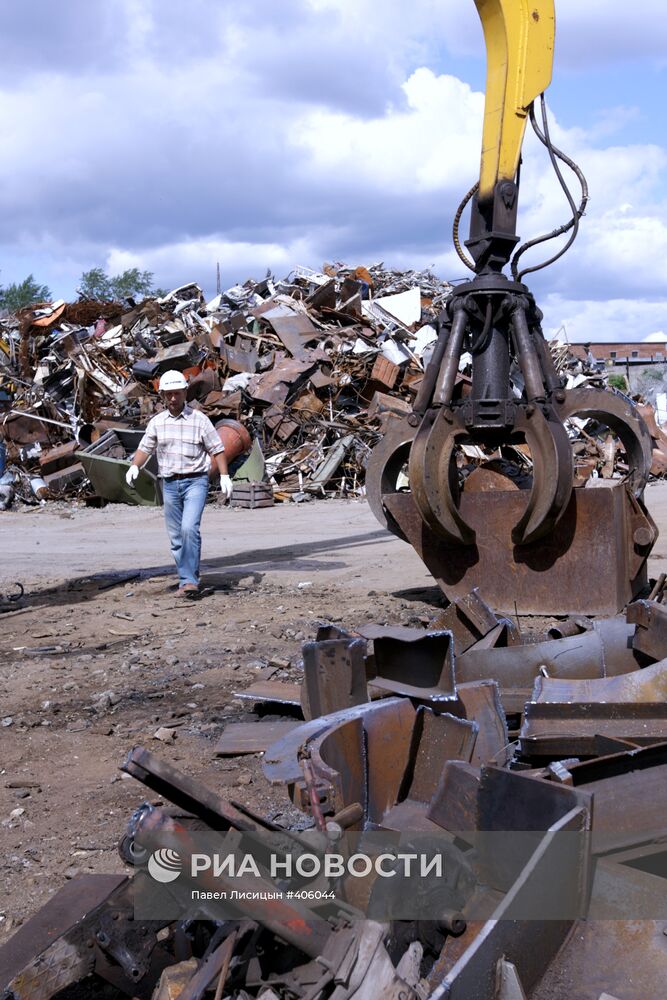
pixel 311 364
pixel 538 769
pixel 315 365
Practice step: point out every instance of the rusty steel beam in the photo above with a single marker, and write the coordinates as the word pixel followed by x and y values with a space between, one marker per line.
pixel 469 619
pixel 61 914
pixel 334 676
pixel 290 921
pixel 561 730
pixel 190 794
pixel 412 662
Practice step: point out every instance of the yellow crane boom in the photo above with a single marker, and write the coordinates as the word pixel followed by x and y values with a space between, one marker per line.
pixel 519 36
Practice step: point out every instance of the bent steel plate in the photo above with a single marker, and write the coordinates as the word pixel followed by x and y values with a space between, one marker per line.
pixel 544 578
pixel 640 686
pixel 620 414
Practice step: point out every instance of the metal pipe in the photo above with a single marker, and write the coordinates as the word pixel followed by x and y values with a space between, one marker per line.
pixel 453 922
pixel 44 420
pixel 491 366
pixel 425 391
pixel 450 362
pixel 527 356
pixel 551 377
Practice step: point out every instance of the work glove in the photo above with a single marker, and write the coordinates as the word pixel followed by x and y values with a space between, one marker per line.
pixel 131 475
pixel 226 488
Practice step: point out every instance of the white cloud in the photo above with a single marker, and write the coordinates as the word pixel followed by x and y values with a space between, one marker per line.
pixel 612 319
pixel 588 31
pixel 431 144
pixel 197 259
pixel 263 135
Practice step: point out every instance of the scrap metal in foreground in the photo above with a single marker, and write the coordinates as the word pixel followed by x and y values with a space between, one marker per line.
pixel 551 821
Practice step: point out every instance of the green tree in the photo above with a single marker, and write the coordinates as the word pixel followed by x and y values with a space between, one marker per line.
pixel 132 283
pixel 618 382
pixel 25 293
pixel 95 285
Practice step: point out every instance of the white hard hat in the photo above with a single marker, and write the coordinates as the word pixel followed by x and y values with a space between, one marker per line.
pixel 172 380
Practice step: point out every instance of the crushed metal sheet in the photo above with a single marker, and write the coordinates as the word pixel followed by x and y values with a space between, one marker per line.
pixel 280 692
pixel 250 737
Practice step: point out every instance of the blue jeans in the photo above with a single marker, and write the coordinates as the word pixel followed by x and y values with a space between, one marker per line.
pixel 184 501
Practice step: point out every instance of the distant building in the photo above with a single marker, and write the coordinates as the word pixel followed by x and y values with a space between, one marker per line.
pixel 629 353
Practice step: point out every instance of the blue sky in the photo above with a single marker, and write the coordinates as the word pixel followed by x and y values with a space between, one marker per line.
pixel 166 136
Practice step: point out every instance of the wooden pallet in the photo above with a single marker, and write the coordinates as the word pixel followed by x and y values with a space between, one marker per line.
pixel 252 495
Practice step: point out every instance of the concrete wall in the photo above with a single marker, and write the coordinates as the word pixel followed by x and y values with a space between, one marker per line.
pixel 647 380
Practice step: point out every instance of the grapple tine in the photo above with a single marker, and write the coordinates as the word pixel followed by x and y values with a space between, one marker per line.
pixel 551 454
pixel 433 474
pixel 384 465
pixel 620 414
pixel 433 479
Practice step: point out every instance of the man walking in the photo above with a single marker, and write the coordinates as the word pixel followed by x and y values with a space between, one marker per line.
pixel 182 439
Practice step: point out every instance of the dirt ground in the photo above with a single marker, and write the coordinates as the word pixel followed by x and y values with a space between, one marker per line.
pixel 100 654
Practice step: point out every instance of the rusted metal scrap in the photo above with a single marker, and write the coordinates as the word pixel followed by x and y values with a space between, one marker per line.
pixel 521 914
pixel 554 841
pixel 554 856
pixel 304 950
pixel 342 670
pixel 98 942
pixel 300 360
pixel 307 362
pixel 566 718
pixel 650 619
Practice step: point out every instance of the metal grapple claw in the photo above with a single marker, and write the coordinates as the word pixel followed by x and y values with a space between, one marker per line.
pixel 515 394
pixel 384 466
pixel 620 414
pixel 551 453
pixel 433 478
pixel 433 474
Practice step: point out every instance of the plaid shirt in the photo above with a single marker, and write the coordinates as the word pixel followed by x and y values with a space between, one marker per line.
pixel 182 443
